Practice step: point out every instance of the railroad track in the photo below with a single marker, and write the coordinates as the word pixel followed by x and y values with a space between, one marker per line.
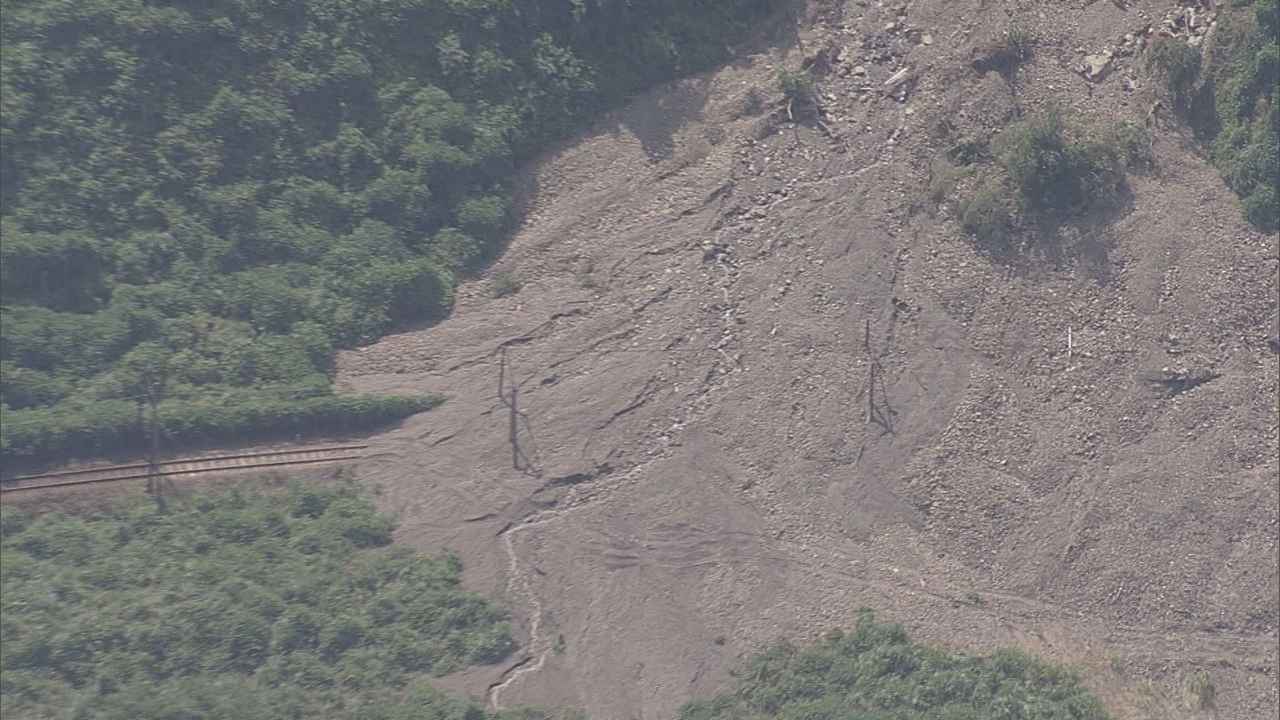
pixel 185 467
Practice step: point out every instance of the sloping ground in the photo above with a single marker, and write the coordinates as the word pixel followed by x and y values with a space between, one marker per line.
pixel 700 468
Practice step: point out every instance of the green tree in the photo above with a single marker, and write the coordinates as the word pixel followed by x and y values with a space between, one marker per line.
pixel 268 169
pixel 234 605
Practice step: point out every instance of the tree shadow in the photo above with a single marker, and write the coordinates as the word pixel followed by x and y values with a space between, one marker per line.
pixel 1061 241
pixel 1201 112
pixel 781 30
pixel 1083 240
pixel 653 116
pixel 654 120
pixel 656 115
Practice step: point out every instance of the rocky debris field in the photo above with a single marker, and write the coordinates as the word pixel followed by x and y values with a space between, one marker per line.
pixel 755 377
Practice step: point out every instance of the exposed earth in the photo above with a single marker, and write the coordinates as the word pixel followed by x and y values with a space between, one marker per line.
pixel 704 460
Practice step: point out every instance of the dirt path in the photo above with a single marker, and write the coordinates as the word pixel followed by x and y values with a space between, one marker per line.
pixel 704 460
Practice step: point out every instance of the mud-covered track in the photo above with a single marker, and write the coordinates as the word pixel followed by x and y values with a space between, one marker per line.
pixel 185 467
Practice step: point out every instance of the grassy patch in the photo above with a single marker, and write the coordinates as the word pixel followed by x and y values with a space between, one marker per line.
pixel 943 177
pixel 238 606
pixel 877 672
pixel 1201 694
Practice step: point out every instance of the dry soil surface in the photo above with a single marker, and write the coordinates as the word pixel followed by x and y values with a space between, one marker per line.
pixel 763 381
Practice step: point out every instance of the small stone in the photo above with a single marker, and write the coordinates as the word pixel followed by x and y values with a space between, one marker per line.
pixel 897 78
pixel 926 39
pixel 890 27
pixel 859 70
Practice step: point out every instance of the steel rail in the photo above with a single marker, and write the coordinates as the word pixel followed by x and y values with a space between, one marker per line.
pixel 182 466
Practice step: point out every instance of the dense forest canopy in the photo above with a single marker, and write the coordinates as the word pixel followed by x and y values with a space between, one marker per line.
pixel 234 605
pixel 223 192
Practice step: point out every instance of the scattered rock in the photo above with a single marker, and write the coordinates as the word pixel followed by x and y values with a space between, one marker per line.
pixel 898 78
pixel 899 84
pixel 1097 66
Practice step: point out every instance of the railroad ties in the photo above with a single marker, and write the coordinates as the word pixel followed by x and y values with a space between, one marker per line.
pixel 186 467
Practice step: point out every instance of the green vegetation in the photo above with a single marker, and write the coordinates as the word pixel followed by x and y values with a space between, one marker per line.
pixel 505 284
pixel 264 413
pixel 986 214
pixel 877 673
pixel 1046 174
pixel 244 186
pixel 1244 72
pixel 1229 96
pixel 1200 692
pixel 798 88
pixel 1018 45
pixel 1177 65
pixel 1056 174
pixel 237 606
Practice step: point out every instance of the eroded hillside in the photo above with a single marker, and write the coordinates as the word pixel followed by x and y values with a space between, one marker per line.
pixel 764 379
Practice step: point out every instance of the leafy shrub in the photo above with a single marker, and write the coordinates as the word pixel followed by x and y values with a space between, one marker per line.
pixel 243 627
pixel 968 151
pixel 797 87
pixel 1055 174
pixel 1019 43
pixel 877 672
pixel 1133 143
pixel 1178 66
pixel 1047 173
pixel 988 216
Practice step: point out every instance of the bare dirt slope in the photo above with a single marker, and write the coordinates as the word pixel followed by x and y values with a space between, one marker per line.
pixel 700 470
